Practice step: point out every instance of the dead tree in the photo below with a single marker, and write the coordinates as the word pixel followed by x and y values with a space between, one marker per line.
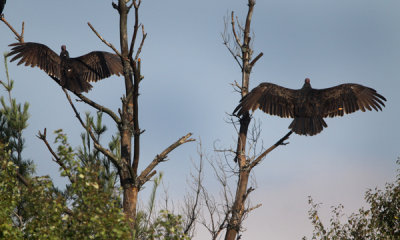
pixel 242 53
pixel 127 119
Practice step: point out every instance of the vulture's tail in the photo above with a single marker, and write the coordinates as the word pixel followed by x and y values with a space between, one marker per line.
pixel 78 86
pixel 308 126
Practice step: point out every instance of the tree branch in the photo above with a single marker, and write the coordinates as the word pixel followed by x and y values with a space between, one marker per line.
pixel 162 156
pixel 278 143
pixel 23 180
pixel 99 107
pixel 234 31
pixel 56 158
pixel 135 28
pixel 97 145
pixel 136 128
pixel 141 44
pixel 233 54
pixel 256 59
pixel 248 21
pixel 93 104
pixel 19 37
pixel 147 178
pixel 103 40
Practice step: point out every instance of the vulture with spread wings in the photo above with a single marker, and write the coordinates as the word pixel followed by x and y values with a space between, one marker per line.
pixel 310 106
pixel 73 74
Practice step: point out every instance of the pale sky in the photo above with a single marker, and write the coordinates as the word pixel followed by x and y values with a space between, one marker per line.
pixel 186 88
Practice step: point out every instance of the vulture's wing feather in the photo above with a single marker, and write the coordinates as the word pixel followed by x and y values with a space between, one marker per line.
pixel 97 65
pixel 2 4
pixel 270 98
pixel 36 55
pixel 348 98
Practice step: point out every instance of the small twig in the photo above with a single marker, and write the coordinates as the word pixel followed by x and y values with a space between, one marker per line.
pixel 103 40
pixel 277 144
pixel 239 25
pixel 97 145
pixel 56 157
pixel 141 44
pixel 135 28
pixel 233 54
pixel 252 208
pixel 162 156
pixel 237 85
pixel 234 31
pixel 225 150
pixel 19 37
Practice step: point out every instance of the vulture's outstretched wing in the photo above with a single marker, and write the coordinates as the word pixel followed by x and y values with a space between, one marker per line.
pixel 348 98
pixel 270 98
pixel 98 65
pixel 36 55
pixel 2 3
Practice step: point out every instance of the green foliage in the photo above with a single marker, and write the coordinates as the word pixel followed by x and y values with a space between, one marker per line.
pixel 164 226
pixel 380 221
pixel 9 196
pixel 91 157
pixel 13 120
pixel 96 205
pixel 167 227
pixel 95 212
pixel 32 208
pixel 90 206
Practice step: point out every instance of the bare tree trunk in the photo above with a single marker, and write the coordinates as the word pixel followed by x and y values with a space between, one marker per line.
pixel 238 209
pixel 235 221
pixel 127 181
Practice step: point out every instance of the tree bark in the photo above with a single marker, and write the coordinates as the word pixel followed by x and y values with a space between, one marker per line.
pixel 235 221
pixel 130 192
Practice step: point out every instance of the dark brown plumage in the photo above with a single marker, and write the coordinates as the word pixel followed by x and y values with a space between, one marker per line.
pixel 310 106
pixel 2 4
pixel 72 73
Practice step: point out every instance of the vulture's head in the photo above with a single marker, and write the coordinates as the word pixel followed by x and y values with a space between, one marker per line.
pixel 307 83
pixel 64 53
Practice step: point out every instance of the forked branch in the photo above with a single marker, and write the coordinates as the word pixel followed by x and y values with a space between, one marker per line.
pixel 277 144
pixel 19 37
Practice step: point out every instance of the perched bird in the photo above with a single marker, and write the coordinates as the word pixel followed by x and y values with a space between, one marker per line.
pixel 72 73
pixel 2 4
pixel 309 106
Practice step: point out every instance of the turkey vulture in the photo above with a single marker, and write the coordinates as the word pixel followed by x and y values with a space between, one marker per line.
pixel 2 4
pixel 310 106
pixel 72 73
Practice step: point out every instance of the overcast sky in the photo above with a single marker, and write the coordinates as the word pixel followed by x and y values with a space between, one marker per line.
pixel 186 88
